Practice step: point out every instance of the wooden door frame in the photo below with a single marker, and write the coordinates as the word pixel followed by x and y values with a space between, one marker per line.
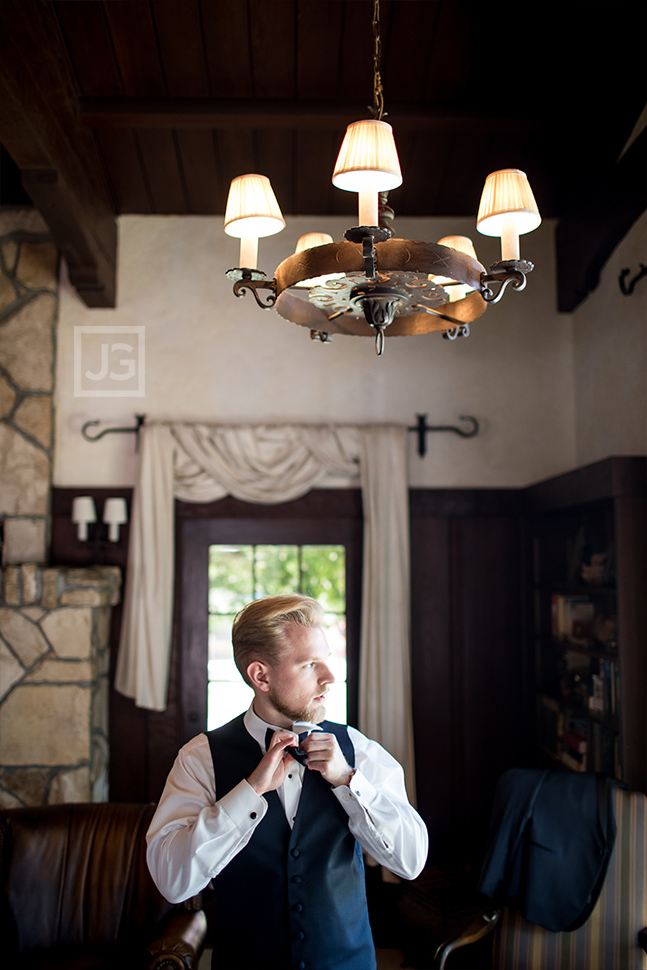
pixel 323 516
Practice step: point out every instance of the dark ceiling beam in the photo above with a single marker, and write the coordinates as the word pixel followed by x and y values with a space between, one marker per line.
pixel 586 237
pixel 60 166
pixel 238 113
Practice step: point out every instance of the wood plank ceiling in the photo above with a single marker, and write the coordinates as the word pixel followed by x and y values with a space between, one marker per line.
pixel 177 97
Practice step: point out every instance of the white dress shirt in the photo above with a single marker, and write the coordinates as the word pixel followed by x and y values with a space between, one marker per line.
pixel 193 834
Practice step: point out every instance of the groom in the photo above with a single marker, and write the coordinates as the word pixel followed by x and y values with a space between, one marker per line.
pixel 281 840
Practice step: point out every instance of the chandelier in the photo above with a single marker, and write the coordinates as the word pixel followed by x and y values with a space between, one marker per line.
pixel 372 283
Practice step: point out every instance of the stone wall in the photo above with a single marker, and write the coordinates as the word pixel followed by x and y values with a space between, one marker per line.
pixel 54 663
pixel 54 622
pixel 28 310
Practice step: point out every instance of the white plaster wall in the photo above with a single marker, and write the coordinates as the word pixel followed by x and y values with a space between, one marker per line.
pixel 610 358
pixel 210 357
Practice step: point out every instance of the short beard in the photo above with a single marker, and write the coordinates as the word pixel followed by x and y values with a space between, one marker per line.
pixel 305 714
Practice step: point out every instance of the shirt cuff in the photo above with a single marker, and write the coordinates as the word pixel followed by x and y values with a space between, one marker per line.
pixel 244 806
pixel 354 797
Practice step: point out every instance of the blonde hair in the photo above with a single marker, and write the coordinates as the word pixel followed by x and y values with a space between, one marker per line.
pixel 258 632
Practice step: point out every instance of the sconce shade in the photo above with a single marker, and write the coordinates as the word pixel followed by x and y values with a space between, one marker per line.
pixel 83 512
pixel 507 195
pixel 368 158
pixel 252 209
pixel 115 513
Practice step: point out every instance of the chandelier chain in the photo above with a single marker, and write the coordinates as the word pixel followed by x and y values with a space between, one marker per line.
pixel 378 94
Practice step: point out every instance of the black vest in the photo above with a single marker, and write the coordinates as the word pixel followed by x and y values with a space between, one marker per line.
pixel 292 898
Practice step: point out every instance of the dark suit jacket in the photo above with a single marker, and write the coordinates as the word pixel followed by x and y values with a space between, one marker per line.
pixel 551 839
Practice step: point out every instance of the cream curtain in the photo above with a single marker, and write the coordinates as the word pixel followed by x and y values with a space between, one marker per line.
pixel 269 464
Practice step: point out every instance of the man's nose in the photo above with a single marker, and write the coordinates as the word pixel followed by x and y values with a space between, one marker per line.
pixel 326 675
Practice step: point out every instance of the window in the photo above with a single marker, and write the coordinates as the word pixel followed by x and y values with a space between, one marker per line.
pixel 325 517
pixel 241 573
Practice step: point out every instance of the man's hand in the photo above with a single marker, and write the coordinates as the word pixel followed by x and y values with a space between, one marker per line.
pixel 325 756
pixel 271 771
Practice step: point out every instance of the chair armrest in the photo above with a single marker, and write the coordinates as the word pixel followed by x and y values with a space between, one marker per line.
pixel 181 942
pixel 642 938
pixel 476 930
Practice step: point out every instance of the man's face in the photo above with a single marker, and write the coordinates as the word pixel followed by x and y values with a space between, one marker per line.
pixel 299 681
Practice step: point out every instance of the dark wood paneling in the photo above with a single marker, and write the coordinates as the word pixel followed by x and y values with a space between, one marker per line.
pixel 431 664
pixel 631 551
pixel 470 679
pixel 493 679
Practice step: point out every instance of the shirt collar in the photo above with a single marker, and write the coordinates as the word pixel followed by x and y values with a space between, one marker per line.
pixel 257 727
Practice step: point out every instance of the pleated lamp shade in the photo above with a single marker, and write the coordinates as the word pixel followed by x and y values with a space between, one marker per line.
pixel 455 290
pixel 368 158
pixel 310 241
pixel 506 197
pixel 252 209
pixel 462 244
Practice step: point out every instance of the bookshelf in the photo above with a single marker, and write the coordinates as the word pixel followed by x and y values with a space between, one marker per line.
pixel 588 622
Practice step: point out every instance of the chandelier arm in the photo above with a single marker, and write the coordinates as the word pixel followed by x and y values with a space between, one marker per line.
pixel 513 272
pixel 437 313
pixel 241 287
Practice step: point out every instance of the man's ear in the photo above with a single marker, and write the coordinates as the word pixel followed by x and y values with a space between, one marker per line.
pixel 258 672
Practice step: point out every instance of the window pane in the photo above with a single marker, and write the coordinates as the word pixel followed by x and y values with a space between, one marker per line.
pixel 220 637
pixel 324 576
pixel 230 578
pixel 276 570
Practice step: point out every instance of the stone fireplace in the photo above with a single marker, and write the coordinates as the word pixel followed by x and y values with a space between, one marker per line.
pixel 54 620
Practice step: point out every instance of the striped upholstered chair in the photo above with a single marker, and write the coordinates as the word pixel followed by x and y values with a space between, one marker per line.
pixel 614 936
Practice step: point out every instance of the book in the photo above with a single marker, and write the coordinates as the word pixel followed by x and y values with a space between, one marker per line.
pixel 572 618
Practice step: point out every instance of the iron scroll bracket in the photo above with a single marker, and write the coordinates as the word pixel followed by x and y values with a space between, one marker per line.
pixel 422 429
pixel 509 272
pixel 139 418
pixel 253 280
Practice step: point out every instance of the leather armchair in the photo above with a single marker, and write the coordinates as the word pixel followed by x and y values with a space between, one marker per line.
pixel 75 892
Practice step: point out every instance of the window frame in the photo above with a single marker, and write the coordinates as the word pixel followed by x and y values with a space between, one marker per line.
pixel 324 516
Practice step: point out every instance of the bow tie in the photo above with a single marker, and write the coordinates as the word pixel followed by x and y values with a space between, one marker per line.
pixel 298 755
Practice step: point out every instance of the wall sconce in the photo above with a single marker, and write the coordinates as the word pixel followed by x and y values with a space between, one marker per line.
pixel 115 513
pixel 84 513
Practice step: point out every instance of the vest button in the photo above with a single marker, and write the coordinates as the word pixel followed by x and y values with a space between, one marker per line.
pixel 296 878
pixel 295 853
pixel 299 936
pixel 297 907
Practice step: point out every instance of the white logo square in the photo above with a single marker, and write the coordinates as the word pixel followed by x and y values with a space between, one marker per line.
pixel 107 366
